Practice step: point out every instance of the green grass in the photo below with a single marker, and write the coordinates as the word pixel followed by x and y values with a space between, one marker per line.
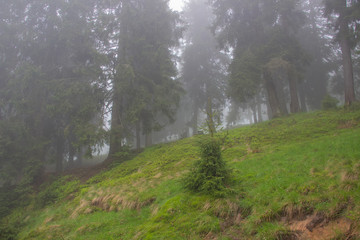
pixel 299 165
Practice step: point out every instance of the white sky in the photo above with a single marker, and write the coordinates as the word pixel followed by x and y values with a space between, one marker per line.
pixel 176 4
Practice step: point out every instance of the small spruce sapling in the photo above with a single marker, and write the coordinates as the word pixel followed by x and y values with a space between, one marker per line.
pixel 209 174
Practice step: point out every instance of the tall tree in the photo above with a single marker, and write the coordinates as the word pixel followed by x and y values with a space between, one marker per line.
pixel 53 88
pixel 343 14
pixel 259 32
pixel 313 37
pixel 203 67
pixel 145 94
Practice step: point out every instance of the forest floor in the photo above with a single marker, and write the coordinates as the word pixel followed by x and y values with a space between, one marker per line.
pixel 296 177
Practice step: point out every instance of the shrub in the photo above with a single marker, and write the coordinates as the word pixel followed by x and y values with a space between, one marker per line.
pixel 209 174
pixel 329 102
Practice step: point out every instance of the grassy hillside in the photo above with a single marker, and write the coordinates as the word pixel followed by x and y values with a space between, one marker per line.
pixel 293 178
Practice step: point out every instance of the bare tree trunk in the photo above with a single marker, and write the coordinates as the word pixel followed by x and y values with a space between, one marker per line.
pixel 80 154
pixel 195 118
pixel 148 139
pixel 59 155
pixel 249 115
pixel 280 93
pixel 115 133
pixel 294 102
pixel 138 136
pixel 302 97
pixel 253 109
pixel 71 156
pixel 259 112
pixel 272 96
pixel 258 107
pixel 347 62
pixel 210 117
pixel 268 110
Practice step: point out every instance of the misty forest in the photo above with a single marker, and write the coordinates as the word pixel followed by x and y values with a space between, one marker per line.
pixel 227 119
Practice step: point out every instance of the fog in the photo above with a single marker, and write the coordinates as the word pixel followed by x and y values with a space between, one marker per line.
pixel 89 78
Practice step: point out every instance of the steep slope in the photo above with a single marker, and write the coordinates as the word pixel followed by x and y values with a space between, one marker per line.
pixel 293 178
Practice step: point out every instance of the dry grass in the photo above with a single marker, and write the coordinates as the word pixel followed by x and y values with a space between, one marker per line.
pixel 295 212
pixel 347 124
pixel 109 200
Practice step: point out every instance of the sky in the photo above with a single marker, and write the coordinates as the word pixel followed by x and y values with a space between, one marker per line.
pixel 176 4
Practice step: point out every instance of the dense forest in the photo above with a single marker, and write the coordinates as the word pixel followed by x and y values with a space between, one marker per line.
pixel 81 76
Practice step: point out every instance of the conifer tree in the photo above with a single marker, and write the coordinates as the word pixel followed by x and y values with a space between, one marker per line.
pixel 203 66
pixel 145 94
pixel 344 15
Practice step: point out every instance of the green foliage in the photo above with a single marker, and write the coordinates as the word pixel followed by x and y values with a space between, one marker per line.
pixel 57 190
pixel 8 232
pixel 144 89
pixel 245 79
pixel 8 200
pixel 329 103
pixel 52 91
pixel 209 174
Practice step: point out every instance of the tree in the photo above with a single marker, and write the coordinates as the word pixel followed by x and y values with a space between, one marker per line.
pixel 145 93
pixel 343 14
pixel 259 32
pixel 203 66
pixel 313 38
pixel 53 87
pixel 209 174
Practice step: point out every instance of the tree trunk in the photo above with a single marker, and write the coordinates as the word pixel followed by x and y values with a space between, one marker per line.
pixel 148 139
pixel 258 106
pixel 59 155
pixel 347 62
pixel 210 117
pixel 79 159
pixel 302 97
pixel 253 109
pixel 115 132
pixel 294 102
pixel 195 118
pixel 268 110
pixel 272 96
pixel 71 156
pixel 280 93
pixel 138 136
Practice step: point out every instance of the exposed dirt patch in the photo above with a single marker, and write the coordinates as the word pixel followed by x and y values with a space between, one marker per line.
pixel 316 227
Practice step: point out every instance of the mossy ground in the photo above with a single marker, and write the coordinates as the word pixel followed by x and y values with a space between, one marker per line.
pixel 284 169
